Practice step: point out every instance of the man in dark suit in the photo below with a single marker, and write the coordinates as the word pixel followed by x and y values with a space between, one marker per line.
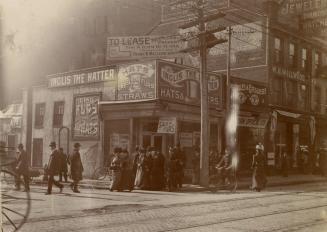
pixel 76 167
pixel 22 169
pixel 63 165
pixel 53 168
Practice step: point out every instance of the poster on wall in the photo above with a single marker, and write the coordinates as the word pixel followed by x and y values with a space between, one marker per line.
pixel 181 84
pixel 86 117
pixel 136 82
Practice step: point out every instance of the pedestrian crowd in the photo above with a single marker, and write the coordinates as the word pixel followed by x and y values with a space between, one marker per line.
pixel 146 169
pixel 149 169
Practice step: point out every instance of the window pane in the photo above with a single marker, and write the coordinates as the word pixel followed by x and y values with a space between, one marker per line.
pixel 277 43
pixel 292 49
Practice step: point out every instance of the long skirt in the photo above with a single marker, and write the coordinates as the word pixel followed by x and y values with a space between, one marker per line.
pixel 259 180
pixel 116 178
pixel 139 177
pixel 126 181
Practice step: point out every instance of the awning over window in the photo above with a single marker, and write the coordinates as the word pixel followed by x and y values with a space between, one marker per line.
pixel 288 114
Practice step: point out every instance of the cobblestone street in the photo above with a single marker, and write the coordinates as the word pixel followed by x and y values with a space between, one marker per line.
pixel 292 208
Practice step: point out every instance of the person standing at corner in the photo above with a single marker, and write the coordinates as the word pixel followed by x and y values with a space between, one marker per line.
pixel 53 168
pixel 258 166
pixel 76 167
pixel 285 163
pixel 22 168
pixel 63 165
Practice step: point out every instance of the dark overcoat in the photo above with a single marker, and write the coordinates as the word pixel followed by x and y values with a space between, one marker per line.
pixel 22 163
pixel 63 162
pixel 259 180
pixel 76 166
pixel 54 163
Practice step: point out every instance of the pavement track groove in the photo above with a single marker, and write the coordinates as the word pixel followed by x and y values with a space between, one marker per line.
pixel 210 207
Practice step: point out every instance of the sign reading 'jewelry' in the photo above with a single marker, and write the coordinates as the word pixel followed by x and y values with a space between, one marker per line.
pixel 86 117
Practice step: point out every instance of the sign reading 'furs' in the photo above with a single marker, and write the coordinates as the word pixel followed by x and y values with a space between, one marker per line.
pixel 86 117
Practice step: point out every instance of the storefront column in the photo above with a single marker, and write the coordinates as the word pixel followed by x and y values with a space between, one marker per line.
pixel 296 130
pixel 219 136
pixel 131 137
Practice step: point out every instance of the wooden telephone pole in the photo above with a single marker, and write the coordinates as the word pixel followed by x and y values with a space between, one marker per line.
pixel 203 36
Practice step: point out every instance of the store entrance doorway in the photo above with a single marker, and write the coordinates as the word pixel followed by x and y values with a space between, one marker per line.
pixel 154 140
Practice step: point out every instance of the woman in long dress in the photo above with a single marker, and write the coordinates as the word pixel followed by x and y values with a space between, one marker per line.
pixel 116 169
pixel 258 165
pixel 139 161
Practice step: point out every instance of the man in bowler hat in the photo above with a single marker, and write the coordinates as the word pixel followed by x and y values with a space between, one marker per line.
pixel 76 167
pixel 53 168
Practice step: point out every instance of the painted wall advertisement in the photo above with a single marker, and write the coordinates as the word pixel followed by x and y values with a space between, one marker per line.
pixel 81 77
pixel 86 117
pixel 251 94
pixel 181 84
pixel 149 46
pixel 136 82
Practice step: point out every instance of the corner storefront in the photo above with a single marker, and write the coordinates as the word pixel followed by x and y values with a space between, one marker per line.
pixel 157 104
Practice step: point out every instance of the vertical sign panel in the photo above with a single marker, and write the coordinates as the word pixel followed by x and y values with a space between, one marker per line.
pixel 86 117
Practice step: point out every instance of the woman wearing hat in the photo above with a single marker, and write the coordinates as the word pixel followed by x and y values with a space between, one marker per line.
pixel 258 165
pixel 76 167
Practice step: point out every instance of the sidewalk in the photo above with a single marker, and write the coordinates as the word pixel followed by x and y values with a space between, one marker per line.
pixel 243 183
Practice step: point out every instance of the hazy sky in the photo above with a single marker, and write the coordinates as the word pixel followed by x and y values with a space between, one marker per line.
pixel 31 32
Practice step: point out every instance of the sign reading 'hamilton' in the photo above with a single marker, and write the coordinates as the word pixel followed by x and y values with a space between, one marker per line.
pixel 81 77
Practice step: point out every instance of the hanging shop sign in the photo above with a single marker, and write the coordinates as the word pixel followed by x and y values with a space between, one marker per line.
pixel 81 77
pixel 252 122
pixel 86 117
pixel 136 82
pixel 179 83
pixel 139 47
pixel 167 125
pixel 251 94
pixel 289 74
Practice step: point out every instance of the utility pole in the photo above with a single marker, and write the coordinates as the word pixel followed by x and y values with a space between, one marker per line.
pixel 203 44
pixel 204 149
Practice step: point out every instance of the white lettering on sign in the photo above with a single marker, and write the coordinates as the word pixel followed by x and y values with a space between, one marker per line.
pixel 281 71
pixel 135 47
pixel 136 82
pixel 86 119
pixel 81 78
pixel 300 6
pixel 173 78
